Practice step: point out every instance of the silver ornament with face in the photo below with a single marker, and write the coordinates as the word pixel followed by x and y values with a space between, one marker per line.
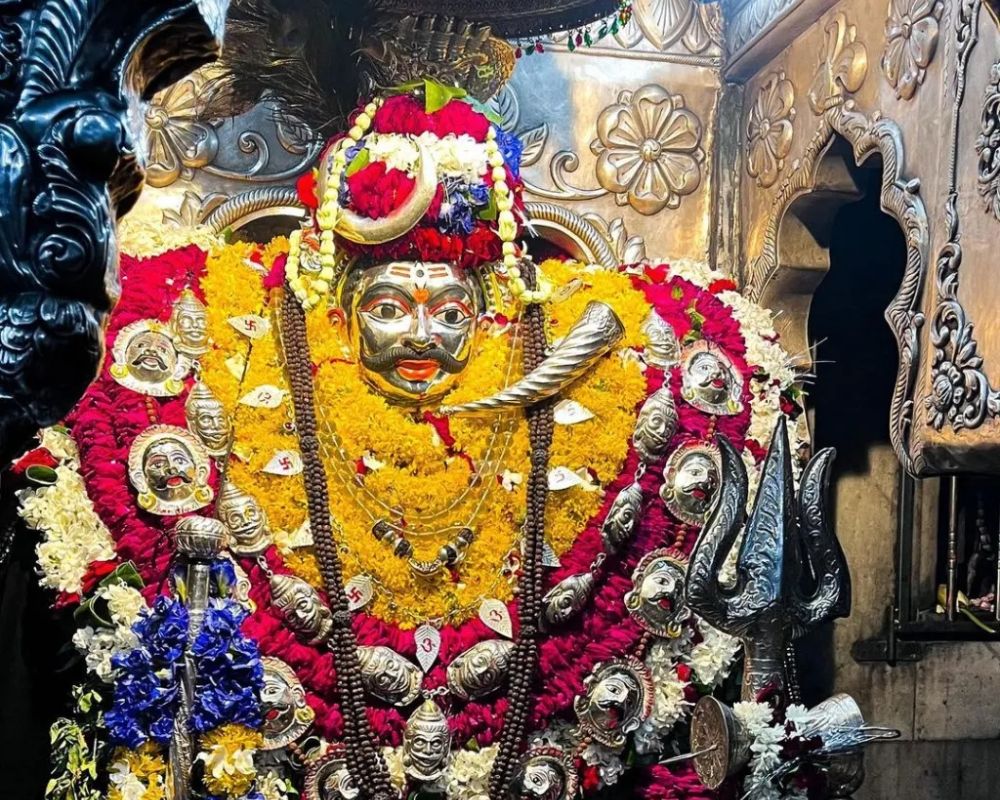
pixel 206 418
pixel 545 773
pixel 388 676
pixel 622 518
pixel 286 714
pixel 655 425
pixel 169 468
pixel 245 519
pixel 301 607
pixel 189 323
pixel 691 480
pixel 413 326
pixel 663 349
pixel 711 382
pixel 566 599
pixel 147 360
pixel 481 669
pixel 618 698
pixel 426 742
pixel 329 779
pixel 656 601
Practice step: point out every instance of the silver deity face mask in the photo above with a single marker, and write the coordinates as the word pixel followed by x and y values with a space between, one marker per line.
pixel 545 773
pixel 619 697
pixel 711 381
pixel 389 676
pixel 481 669
pixel 426 742
pixel 656 601
pixel 283 702
pixel 413 327
pixel 691 482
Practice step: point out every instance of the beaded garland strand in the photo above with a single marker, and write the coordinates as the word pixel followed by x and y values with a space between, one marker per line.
pixel 366 763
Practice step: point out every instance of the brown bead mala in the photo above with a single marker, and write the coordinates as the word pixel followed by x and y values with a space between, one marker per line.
pixel 364 761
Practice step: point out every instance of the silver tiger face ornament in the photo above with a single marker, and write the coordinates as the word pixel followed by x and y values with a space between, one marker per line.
pixel 656 601
pixel 481 669
pixel 622 518
pixel 618 698
pixel 388 676
pixel 545 773
pixel 329 779
pixel 663 349
pixel 566 599
pixel 655 425
pixel 691 480
pixel 711 382
pixel 283 702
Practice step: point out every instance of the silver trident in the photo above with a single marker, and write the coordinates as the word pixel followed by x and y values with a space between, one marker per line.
pixel 791 572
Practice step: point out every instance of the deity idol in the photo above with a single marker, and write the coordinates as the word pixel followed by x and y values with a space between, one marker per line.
pixel 442 562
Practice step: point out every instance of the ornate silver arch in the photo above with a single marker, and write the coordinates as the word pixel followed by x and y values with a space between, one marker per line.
pixel 900 199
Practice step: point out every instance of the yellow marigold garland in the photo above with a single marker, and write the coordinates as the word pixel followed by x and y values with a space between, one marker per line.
pixel 227 753
pixel 417 472
pixel 130 768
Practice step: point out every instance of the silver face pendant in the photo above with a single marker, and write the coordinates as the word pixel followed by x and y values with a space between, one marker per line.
pixel 622 518
pixel 566 599
pixel 206 419
pixel 301 607
pixel 329 779
pixel 656 601
pixel 655 425
pixel 664 349
pixel 245 519
pixel 388 676
pixel 545 773
pixel 691 480
pixel 711 382
pixel 426 742
pixel 283 702
pixel 618 697
pixel 481 669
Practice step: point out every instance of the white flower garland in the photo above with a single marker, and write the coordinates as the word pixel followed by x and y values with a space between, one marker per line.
pixel 767 738
pixel 98 646
pixel 74 535
pixel 456 156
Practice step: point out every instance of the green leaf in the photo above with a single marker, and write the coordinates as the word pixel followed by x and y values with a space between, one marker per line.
pixel 489 213
pixel 359 162
pixel 40 474
pixel 437 95
pixel 490 113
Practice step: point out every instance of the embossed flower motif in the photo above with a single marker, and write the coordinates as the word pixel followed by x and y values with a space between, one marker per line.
pixel 769 129
pixel 176 140
pixel 911 34
pixel 843 68
pixel 947 393
pixel 649 149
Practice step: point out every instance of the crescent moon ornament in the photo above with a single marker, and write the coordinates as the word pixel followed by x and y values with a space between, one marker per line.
pixel 362 230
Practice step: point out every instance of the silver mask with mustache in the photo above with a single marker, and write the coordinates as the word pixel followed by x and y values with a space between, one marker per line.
pixel 413 327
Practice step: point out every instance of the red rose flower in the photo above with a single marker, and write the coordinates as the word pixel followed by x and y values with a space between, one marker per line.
pixel 591 778
pixel 376 190
pixel 96 572
pixel 405 114
pixel 684 672
pixel 39 457
pixel 722 285
pixel 305 187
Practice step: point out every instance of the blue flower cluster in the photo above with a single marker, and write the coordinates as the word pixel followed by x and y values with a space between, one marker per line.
pixel 230 672
pixel 461 202
pixel 147 691
pixel 511 148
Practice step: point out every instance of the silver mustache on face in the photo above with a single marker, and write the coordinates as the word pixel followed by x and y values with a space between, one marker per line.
pixel 388 358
